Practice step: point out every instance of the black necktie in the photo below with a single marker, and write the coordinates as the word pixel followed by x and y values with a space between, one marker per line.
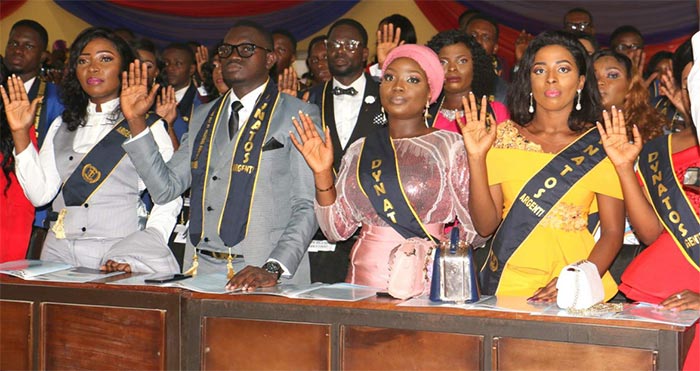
pixel 233 120
pixel 340 91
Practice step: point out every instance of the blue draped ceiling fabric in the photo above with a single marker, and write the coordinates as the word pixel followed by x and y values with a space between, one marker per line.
pixel 664 24
pixel 207 21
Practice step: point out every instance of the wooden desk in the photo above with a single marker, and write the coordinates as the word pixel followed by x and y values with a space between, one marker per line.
pixel 88 326
pixel 96 326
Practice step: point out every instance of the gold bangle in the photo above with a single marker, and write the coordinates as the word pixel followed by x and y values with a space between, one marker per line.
pixel 325 190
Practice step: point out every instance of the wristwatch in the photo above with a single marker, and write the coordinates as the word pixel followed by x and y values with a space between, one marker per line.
pixel 274 268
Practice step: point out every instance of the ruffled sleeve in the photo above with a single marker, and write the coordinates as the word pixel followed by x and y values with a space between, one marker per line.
pixel 337 221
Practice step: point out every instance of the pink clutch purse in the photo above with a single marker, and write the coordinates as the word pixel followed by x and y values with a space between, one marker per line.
pixel 409 265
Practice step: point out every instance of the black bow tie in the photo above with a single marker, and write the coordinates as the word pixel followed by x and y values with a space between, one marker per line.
pixel 340 91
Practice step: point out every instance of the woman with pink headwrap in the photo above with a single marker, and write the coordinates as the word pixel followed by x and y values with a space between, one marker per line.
pixel 402 184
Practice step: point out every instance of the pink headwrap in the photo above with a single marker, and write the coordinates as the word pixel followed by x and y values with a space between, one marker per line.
pixel 426 59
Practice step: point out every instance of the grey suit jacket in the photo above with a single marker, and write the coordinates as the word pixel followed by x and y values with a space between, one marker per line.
pixel 282 221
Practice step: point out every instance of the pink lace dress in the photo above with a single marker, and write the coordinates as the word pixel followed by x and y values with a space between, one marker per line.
pixel 435 176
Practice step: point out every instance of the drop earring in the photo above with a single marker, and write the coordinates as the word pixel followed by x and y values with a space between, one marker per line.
pixel 578 101
pixel 531 109
pixel 426 114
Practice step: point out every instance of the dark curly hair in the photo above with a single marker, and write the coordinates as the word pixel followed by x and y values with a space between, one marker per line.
pixel 520 87
pixel 74 98
pixel 484 76
pixel 637 108
pixel 681 57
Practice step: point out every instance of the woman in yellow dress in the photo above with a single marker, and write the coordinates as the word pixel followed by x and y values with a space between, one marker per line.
pixel 542 174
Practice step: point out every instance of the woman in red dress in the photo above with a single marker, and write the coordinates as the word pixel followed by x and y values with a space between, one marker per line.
pixel 16 212
pixel 666 272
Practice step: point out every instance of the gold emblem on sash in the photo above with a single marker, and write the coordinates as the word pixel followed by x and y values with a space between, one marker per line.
pixel 493 261
pixel 91 174
pixel 123 131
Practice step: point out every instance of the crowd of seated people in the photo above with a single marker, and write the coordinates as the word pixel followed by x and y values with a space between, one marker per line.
pixel 103 142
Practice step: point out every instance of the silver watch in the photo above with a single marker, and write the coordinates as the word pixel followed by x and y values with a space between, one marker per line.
pixel 274 268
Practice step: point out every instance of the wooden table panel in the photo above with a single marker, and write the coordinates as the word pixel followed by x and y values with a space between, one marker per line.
pixel 83 337
pixel 239 344
pixel 371 348
pixel 15 335
pixel 528 354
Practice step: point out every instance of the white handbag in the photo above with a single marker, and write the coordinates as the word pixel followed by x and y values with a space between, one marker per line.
pixel 579 286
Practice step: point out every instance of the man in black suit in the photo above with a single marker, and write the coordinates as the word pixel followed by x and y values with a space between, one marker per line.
pixel 351 110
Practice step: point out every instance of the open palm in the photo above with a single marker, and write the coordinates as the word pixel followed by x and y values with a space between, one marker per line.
pixel 615 141
pixel 135 99
pixel 20 112
pixel 478 137
pixel 318 153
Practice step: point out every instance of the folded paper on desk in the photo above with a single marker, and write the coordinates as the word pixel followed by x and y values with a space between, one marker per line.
pixel 37 270
pixel 317 291
pixel 216 284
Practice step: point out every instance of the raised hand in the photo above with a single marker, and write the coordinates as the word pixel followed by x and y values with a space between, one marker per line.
pixel 318 153
pixel 477 135
pixel 287 82
pixel 135 99
pixel 20 112
pixel 387 39
pixel 638 58
pixel 615 141
pixel 201 57
pixel 166 105
pixel 521 44
pixel 670 90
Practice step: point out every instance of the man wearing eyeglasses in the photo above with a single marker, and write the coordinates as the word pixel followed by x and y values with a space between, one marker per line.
pixel 628 40
pixel 252 193
pixel 579 20
pixel 351 110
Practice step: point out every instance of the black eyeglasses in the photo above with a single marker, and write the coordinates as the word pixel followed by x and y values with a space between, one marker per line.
pixel 625 47
pixel 577 26
pixel 351 46
pixel 245 50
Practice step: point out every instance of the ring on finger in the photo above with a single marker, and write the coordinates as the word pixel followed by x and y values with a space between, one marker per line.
pixel 679 296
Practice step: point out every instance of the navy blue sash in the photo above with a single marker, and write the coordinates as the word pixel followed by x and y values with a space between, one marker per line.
pixel 670 203
pixel 245 165
pixel 536 199
pixel 98 164
pixel 379 179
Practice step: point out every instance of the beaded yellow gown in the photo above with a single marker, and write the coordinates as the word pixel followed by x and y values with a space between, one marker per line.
pixel 562 237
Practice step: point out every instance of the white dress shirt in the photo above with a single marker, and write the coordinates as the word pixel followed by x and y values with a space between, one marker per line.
pixel 375 71
pixel 248 102
pixel 38 175
pixel 179 94
pixel 28 84
pixel 346 108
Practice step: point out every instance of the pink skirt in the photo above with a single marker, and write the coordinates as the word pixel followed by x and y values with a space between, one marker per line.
pixel 369 258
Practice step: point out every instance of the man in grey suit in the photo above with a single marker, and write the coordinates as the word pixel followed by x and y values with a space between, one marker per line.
pixel 252 193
